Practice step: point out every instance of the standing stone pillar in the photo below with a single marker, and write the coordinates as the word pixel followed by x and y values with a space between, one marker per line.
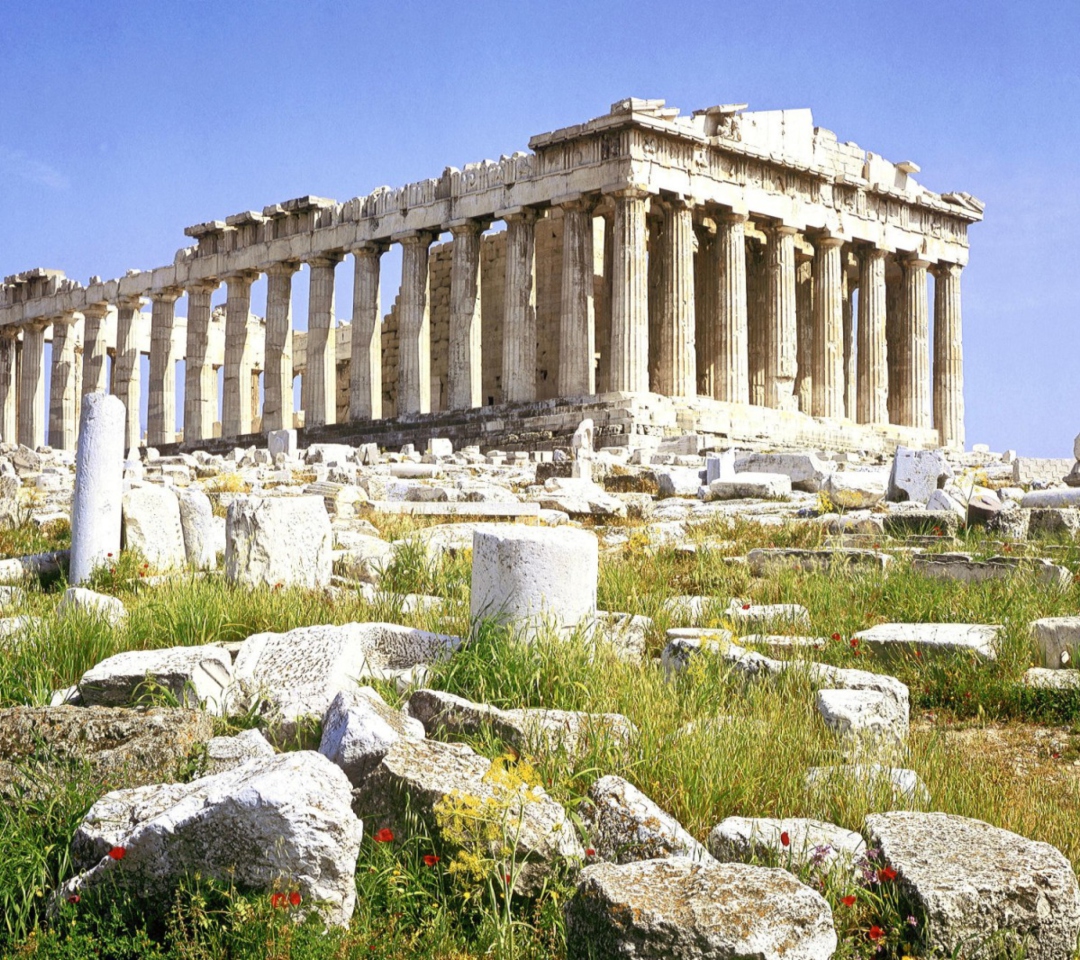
pixel 236 407
pixel 318 390
pixel 161 403
pixel 63 395
pixel 32 386
pixel 466 388
pixel 577 325
pixel 730 340
pixel 414 326
pixel 894 284
pixel 914 343
pixel 278 362
pixel 677 373
pixel 519 317
pixel 780 335
pixel 95 375
pixel 948 356
pixel 99 485
pixel 873 375
pixel 828 346
pixel 365 367
pixel 847 290
pixel 804 331
pixel 200 379
pixel 125 369
pixel 9 410
pixel 756 320
pixel 629 295
pixel 705 291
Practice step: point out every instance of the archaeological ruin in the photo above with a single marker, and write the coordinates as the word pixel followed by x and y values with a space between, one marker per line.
pixel 741 274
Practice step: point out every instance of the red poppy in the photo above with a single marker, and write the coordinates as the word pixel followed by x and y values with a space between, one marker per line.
pixel 507 878
pixel 854 643
pixel 74 898
pixel 108 554
pixel 836 636
pixel 277 901
pixel 887 873
pixel 849 900
pixel 295 898
pixel 875 933
pixel 430 859
pixel 746 606
pixel 385 835
pixel 590 852
pixel 117 853
pixel 785 839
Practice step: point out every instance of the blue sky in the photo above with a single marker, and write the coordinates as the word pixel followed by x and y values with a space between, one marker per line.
pixel 121 123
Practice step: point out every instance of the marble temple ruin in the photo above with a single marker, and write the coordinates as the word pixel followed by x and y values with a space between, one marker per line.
pixel 725 268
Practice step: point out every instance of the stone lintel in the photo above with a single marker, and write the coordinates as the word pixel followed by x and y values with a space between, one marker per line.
pixel 245 217
pixel 200 230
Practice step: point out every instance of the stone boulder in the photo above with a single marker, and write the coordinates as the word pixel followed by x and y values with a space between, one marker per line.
pixel 749 486
pixel 810 842
pixel 358 729
pixel 660 909
pixel 677 481
pixel 864 720
pixel 1058 640
pixel 805 470
pixel 282 822
pixel 916 474
pixel 856 489
pixel 80 600
pixel 984 890
pixel 227 753
pixel 279 540
pixel 200 528
pixel 152 526
pixel 433 781
pixel 869 781
pixel 195 676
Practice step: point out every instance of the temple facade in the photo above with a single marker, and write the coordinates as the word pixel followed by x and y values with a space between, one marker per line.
pixel 745 259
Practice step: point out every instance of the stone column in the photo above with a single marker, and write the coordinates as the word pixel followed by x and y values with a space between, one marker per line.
pixel 365 367
pixel 278 364
pixel 756 320
pixel 629 295
pixel 602 298
pixel 780 335
pixel 32 386
pixel 236 409
pixel 847 290
pixel 414 326
pixel 914 343
pixel 705 292
pixel 9 410
pixel 894 284
pixel 125 368
pixel 948 356
pixel 200 380
pixel 677 374
pixel 161 402
pixel 828 346
pixel 519 318
pixel 873 375
pixel 730 340
pixel 804 331
pixel 466 388
pixel 95 376
pixel 318 390
pixel 577 325
pixel 63 395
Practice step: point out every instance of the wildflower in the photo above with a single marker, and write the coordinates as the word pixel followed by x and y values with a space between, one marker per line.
pixel 854 641
pixel 385 835
pixel 849 900
pixel 821 851
pixel 117 853
pixel 836 636
pixel 1055 756
pixel 507 878
pixel 875 933
pixel 74 898
pixel 912 922
pixel 430 859
pixel 277 901
pixel 937 531
pixel 918 654
pixel 590 852
pixel 746 606
pixel 294 898
pixel 785 839
pixel 108 555
pixel 886 873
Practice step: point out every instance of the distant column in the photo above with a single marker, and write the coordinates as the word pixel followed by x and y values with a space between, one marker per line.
pixel 577 326
pixel 730 344
pixel 95 377
pixel 161 402
pixel 705 321
pixel 828 346
pixel 756 321
pixel 873 375
pixel 200 380
pixel 9 411
pixel 466 385
pixel 948 356
pixel 63 396
pixel 278 363
pixel 414 326
pixel 780 335
pixel 914 337
pixel 319 386
pixel 894 285
pixel 677 374
pixel 804 331
pixel 365 367
pixel 519 319
pixel 629 295
pixel 847 289
pixel 125 369
pixel 32 386
pixel 236 408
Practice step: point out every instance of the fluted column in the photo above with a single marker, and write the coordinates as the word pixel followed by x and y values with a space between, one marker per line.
pixel 465 386
pixel 414 326
pixel 873 374
pixel 365 367
pixel 948 356
pixel 914 343
pixel 804 330
pixel 577 325
pixel 9 410
pixel 318 390
pixel 730 336
pixel 200 380
pixel 629 294
pixel 95 376
pixel 675 326
pixel 705 291
pixel 756 320
pixel 519 318
pixel 125 368
pixel 847 289
pixel 236 407
pixel 894 285
pixel 63 425
pixel 278 363
pixel 32 386
pixel 161 401
pixel 780 335
pixel 828 348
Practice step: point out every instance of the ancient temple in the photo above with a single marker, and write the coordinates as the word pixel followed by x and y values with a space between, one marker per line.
pixel 728 264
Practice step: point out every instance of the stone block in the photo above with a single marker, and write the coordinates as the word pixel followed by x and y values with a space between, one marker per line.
pixel 281 442
pixel 201 530
pixel 805 470
pixel 750 486
pixel 856 489
pixel 678 481
pixel 440 447
pixel 152 526
pixel 810 842
pixel 931 638
pixel 916 474
pixel 765 560
pixel 278 540
pixel 195 676
pixel 1058 640
pixel 81 600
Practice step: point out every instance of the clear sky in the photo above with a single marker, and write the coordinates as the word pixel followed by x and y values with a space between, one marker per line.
pixel 122 122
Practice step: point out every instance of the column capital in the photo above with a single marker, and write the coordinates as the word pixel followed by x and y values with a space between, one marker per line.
pixel 209 285
pixel 782 230
pixel 731 216
pixel 945 269
pixel 96 311
pixel 241 276
pixel 627 192
pixel 519 214
pixel 466 225
pixel 132 302
pixel 582 202
pixel 329 258
pixel 869 252
pixel 369 248
pixel 9 332
pixel 414 237
pixel 66 317
pixel 826 241
pixel 281 268
pixel 166 295
pixel 914 261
